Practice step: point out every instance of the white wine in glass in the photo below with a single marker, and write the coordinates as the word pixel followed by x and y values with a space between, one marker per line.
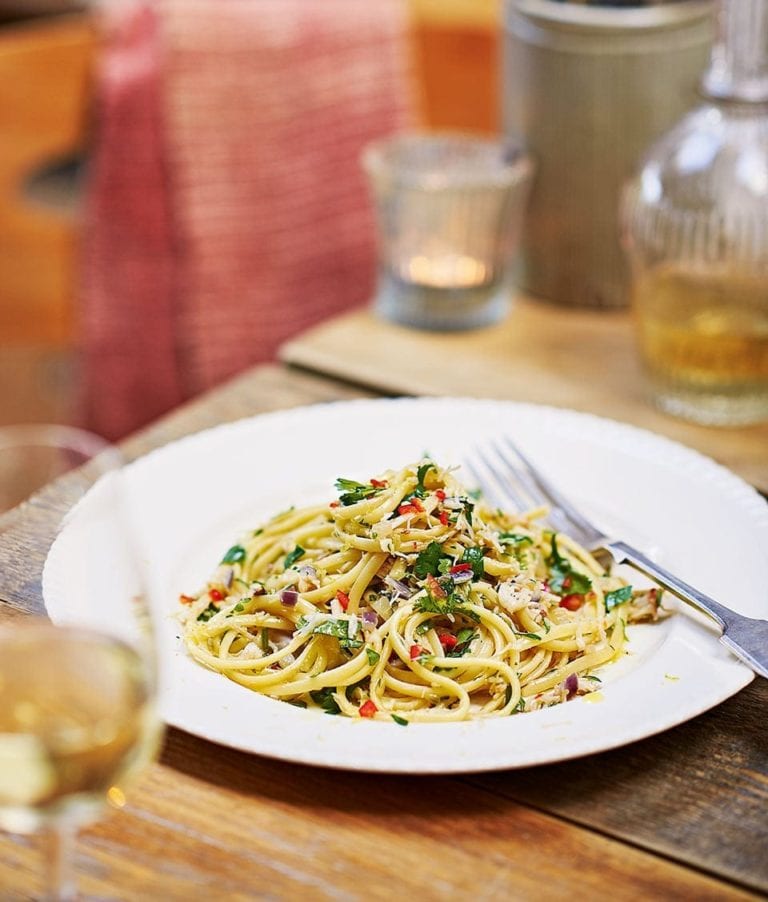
pixel 78 714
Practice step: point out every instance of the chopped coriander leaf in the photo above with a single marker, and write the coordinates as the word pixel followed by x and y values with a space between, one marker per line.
pixel 352 491
pixel 239 607
pixel 528 635
pixel 452 604
pixel 399 720
pixel 444 565
pixel 508 694
pixel 325 698
pixel 424 627
pixel 373 656
pixel 468 508
pixel 515 538
pixel 428 561
pixel 234 555
pixel 563 579
pixel 474 556
pixel 617 597
pixel 208 613
pixel 339 629
pixel 421 474
pixel 293 556
pixel 520 706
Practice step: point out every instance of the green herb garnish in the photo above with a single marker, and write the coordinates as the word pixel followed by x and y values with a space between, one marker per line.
pixel 515 538
pixel 563 579
pixel 326 700
pixel 474 556
pixel 421 474
pixel 353 491
pixel 339 629
pixel 617 597
pixel 293 556
pixel 399 720
pixel 208 612
pixel 428 561
pixel 373 656
pixel 234 555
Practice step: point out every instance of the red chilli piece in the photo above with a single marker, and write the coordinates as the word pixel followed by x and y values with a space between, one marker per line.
pixel 186 599
pixel 460 568
pixel 448 641
pixel 572 602
pixel 417 651
pixel 441 496
pixel 215 595
pixel 443 518
pixel 379 483
pixel 335 504
pixel 343 599
pixel 367 709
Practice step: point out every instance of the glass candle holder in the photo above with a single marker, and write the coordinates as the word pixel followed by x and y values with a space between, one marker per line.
pixel 449 210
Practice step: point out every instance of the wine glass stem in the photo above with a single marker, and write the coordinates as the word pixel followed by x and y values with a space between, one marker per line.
pixel 60 872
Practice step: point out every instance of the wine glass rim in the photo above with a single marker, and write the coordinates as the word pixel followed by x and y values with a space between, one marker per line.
pixel 53 435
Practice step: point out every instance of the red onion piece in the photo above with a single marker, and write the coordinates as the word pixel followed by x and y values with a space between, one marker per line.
pixel 463 577
pixel 289 597
pixel 571 686
pixel 398 586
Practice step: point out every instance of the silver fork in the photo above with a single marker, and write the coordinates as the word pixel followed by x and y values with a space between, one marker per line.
pixel 507 475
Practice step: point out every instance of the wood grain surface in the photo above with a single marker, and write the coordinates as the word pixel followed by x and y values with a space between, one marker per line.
pixel 585 360
pixel 678 816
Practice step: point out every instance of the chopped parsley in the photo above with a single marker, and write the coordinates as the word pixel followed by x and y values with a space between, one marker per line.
pixel 421 474
pixel 338 629
pixel 401 721
pixel 428 561
pixel 326 700
pixel 617 597
pixel 234 555
pixel 352 491
pixel 208 612
pixel 563 579
pixel 515 538
pixel 293 556
pixel 474 556
pixel 451 604
pixel 373 656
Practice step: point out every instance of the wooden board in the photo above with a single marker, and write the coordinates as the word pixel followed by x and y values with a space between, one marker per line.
pixel 679 816
pixel 585 360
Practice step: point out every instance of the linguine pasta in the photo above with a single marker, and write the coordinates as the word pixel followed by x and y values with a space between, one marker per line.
pixel 407 598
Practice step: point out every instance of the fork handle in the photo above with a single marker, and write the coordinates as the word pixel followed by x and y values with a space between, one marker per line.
pixel 626 554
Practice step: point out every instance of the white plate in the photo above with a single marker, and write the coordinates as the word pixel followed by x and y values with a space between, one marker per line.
pixel 194 497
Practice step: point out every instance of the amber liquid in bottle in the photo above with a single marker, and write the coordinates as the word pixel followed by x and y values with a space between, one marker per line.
pixel 704 337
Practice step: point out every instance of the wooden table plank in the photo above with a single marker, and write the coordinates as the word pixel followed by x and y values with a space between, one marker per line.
pixel 209 821
pixel 585 360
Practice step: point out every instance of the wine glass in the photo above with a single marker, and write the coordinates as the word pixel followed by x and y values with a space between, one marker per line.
pixel 78 713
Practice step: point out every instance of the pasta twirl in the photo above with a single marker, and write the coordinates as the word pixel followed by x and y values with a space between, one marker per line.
pixel 407 598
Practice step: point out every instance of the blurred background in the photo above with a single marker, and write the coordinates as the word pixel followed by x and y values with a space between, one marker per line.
pixel 59 63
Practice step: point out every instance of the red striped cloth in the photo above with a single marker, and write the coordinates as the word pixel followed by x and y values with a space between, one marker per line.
pixel 226 206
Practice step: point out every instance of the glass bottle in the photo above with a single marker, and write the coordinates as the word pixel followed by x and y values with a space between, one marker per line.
pixel 695 227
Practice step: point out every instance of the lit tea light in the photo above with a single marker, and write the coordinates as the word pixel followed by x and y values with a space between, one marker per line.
pixel 447 271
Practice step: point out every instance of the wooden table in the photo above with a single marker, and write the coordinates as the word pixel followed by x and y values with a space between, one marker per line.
pixel 678 816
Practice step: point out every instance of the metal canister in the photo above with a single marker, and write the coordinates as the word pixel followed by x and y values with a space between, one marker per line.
pixel 588 88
